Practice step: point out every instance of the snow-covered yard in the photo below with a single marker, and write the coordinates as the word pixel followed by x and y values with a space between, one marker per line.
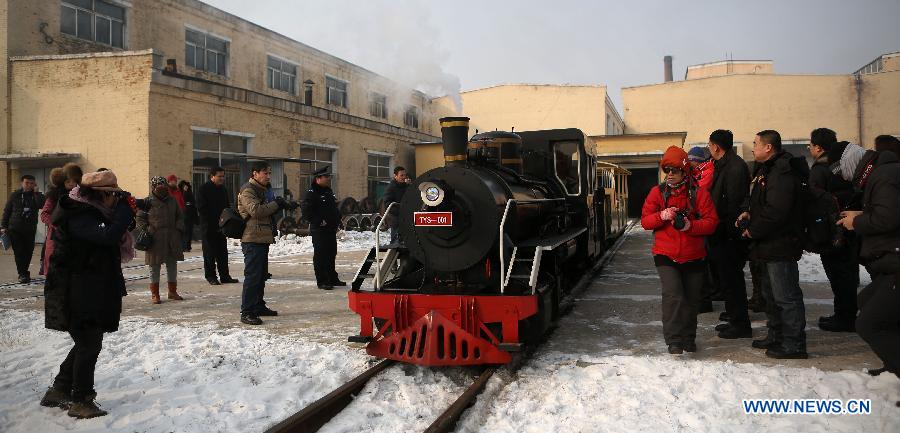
pixel 154 377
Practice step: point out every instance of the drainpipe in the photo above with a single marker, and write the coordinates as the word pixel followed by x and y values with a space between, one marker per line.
pixel 859 108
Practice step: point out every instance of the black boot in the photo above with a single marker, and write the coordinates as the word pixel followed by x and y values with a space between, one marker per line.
pixel 733 332
pixel 676 349
pixel 765 343
pixel 85 407
pixel 56 398
pixel 705 307
pixel 837 324
pixel 779 352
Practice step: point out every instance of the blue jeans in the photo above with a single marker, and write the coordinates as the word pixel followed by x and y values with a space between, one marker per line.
pixel 256 266
pixel 784 305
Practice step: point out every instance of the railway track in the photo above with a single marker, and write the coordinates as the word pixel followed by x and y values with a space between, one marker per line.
pixel 311 418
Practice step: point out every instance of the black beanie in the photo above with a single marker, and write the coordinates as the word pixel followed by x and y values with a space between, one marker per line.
pixel 837 149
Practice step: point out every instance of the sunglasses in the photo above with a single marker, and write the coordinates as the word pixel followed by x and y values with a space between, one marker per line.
pixel 672 170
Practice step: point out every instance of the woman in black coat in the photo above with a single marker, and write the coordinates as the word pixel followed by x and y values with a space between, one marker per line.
pixel 84 288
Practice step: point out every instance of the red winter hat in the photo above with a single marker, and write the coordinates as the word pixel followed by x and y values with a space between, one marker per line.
pixel 171 178
pixel 675 157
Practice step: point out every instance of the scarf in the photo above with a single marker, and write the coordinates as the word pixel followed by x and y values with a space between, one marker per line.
pixel 126 244
pixel 850 159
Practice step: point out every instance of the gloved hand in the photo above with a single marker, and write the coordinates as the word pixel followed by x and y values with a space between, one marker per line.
pixel 291 205
pixel 282 203
pixel 687 225
pixel 668 214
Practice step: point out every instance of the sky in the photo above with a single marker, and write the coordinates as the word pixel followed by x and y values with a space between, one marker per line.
pixel 441 47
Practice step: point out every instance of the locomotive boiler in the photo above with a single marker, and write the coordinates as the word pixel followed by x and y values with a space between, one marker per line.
pixel 490 243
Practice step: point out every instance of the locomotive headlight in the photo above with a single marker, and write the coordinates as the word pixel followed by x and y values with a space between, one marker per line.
pixel 432 194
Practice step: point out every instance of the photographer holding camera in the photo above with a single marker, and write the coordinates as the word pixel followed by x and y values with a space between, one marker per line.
pixel 878 227
pixel 680 215
pixel 84 287
pixel 840 262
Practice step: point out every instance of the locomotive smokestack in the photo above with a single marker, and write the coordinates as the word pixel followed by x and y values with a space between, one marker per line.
pixel 667 68
pixel 455 135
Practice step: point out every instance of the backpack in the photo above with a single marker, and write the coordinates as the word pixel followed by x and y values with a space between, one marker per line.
pixel 819 213
pixel 231 224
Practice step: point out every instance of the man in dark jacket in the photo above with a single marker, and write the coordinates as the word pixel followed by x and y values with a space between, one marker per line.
pixel 20 218
pixel 730 185
pixel 319 207
pixel 84 287
pixel 774 230
pixel 840 264
pixel 212 198
pixel 393 194
pixel 879 229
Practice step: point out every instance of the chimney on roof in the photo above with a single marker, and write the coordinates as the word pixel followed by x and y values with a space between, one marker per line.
pixel 667 68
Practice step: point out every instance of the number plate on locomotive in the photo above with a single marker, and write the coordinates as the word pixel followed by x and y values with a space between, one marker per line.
pixel 433 219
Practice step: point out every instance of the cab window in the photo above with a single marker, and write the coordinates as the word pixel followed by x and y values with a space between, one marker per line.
pixel 566 165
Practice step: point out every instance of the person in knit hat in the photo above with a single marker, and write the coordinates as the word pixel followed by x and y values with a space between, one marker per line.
pixel 702 168
pixel 175 191
pixel 165 224
pixel 878 227
pixel 680 217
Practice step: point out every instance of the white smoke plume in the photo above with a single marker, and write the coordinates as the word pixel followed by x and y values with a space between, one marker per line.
pixel 396 39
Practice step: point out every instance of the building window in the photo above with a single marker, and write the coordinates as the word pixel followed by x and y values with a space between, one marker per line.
pixel 567 166
pixel 379 175
pixel 319 157
pixel 281 75
pixel 93 20
pixel 336 92
pixel 411 116
pixel 205 52
pixel 213 149
pixel 378 105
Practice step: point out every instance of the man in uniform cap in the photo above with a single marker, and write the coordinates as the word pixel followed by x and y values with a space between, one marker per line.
pixel 320 209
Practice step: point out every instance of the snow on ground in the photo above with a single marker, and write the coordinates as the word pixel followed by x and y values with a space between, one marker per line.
pixel 292 244
pixel 561 393
pixel 811 270
pixel 158 377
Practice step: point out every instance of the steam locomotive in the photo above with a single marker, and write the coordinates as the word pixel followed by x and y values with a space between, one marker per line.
pixel 490 244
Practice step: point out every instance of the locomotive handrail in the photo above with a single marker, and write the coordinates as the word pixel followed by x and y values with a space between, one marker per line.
pixel 378 246
pixel 509 203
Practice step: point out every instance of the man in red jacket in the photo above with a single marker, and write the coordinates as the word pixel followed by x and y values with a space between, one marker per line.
pixel 681 215
pixel 174 191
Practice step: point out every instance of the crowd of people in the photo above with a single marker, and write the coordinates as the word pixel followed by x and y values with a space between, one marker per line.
pixel 714 212
pixel 710 216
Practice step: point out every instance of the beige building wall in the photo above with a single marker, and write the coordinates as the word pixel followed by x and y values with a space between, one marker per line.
pixel 160 25
pixel 92 105
pixel 528 107
pixel 794 105
pixel 728 67
pixel 891 62
pixel 880 104
pixel 428 156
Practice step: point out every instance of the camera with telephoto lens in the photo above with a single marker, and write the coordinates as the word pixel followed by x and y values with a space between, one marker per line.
pixel 743 224
pixel 679 221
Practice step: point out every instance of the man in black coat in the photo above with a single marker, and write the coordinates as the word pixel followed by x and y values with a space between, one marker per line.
pixel 841 264
pixel 20 218
pixel 393 194
pixel 212 198
pixel 775 228
pixel 84 287
pixel 319 207
pixel 731 184
pixel 878 226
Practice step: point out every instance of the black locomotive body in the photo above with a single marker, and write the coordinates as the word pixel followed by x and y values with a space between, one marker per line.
pixel 490 243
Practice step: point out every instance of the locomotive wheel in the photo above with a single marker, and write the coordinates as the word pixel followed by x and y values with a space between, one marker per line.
pixel 365 224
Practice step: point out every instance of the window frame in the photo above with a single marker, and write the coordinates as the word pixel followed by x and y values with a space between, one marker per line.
pixel 370 179
pixel 333 163
pixel 374 102
pixel 411 122
pixel 95 14
pixel 281 73
pixel 328 88
pixel 577 173
pixel 207 50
